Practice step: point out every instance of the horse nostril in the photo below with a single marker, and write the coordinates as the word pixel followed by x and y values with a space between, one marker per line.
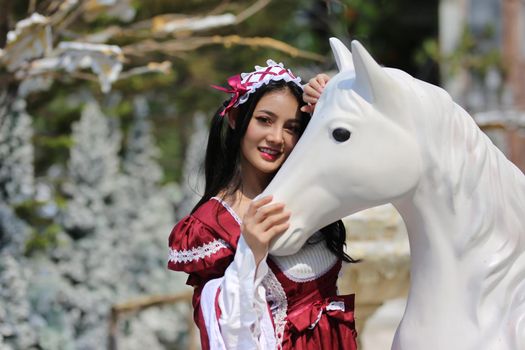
pixel 341 134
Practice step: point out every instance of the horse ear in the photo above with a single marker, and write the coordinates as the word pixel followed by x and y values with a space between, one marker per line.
pixel 343 56
pixel 372 82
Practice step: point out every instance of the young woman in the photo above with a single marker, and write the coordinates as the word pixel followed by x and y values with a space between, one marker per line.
pixel 244 298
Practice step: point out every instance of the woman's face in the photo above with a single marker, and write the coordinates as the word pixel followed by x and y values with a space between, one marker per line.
pixel 272 133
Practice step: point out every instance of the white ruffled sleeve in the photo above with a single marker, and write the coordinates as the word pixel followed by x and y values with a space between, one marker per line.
pixel 245 321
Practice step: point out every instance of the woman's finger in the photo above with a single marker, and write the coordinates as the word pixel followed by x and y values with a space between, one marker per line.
pixel 316 84
pixel 312 91
pixel 277 230
pixel 256 204
pixel 275 220
pixel 308 108
pixel 271 209
pixel 322 79
pixel 310 99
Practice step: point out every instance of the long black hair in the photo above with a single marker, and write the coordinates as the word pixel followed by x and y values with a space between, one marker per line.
pixel 222 170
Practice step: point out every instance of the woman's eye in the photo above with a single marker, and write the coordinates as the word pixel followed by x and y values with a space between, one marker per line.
pixel 264 120
pixel 294 129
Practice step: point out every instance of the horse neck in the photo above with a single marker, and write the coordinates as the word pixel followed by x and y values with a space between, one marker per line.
pixel 463 214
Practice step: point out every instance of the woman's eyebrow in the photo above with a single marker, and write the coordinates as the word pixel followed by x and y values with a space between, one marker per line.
pixel 274 115
pixel 267 112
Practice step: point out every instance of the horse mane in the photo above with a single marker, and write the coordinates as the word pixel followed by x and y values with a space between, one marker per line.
pixel 479 177
pixel 466 159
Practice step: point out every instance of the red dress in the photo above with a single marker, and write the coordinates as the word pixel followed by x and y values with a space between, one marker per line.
pixel 300 290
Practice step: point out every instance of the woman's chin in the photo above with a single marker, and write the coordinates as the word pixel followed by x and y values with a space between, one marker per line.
pixel 270 168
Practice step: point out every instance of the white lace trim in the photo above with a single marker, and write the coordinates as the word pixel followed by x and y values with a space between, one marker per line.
pixel 229 209
pixel 201 252
pixel 276 298
pixel 287 76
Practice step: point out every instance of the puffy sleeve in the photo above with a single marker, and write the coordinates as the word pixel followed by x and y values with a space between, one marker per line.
pixel 200 250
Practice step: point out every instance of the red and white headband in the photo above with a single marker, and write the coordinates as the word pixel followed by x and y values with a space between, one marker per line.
pixel 242 85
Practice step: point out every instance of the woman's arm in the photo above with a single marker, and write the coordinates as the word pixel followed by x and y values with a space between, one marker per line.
pixel 235 308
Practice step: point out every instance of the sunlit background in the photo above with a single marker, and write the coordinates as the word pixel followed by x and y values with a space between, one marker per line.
pixel 104 107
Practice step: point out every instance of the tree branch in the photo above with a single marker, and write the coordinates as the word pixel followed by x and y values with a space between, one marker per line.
pixel 155 26
pixel 6 6
pixel 31 7
pixel 139 304
pixel 250 11
pixel 220 8
pixel 64 17
pixel 181 45
pixel 152 67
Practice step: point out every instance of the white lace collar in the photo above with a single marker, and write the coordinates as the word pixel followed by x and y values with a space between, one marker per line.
pixel 229 209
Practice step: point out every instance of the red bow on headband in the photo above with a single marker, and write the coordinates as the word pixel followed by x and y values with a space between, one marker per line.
pixel 237 89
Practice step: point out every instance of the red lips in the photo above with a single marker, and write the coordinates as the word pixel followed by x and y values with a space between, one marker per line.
pixel 269 154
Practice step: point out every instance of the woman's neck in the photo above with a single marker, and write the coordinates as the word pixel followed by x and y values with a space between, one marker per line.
pixel 251 186
pixel 253 181
pixel 238 201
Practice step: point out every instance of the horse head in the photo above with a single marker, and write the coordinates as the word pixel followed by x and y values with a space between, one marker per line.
pixel 359 135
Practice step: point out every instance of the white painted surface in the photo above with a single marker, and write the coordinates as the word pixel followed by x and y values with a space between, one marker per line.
pixel 462 201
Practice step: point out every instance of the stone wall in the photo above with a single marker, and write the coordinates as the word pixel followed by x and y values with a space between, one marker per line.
pixel 378 237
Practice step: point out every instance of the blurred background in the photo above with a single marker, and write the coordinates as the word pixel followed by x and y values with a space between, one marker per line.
pixel 104 107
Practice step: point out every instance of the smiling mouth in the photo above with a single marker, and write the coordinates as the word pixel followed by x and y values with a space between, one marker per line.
pixel 269 153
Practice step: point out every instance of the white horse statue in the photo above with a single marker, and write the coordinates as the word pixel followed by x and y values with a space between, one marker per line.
pixel 379 135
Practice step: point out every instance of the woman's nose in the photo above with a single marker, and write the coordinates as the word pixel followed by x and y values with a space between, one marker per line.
pixel 276 135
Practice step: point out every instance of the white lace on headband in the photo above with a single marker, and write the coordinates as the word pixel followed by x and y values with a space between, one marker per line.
pixel 242 85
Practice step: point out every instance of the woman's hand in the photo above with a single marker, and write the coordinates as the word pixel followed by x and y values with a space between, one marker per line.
pixel 262 223
pixel 312 91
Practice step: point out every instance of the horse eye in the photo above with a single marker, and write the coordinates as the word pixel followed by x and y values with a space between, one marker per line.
pixel 341 134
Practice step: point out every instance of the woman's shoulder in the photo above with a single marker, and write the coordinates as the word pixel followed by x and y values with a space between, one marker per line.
pixel 216 214
pixel 210 224
pixel 204 241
